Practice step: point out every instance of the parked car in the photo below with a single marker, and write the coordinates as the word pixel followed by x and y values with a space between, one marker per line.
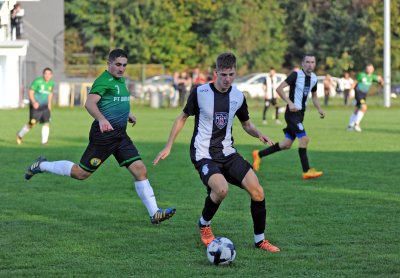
pixel 252 85
pixel 154 84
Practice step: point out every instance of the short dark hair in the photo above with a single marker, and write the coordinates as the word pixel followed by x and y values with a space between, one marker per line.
pixel 307 55
pixel 116 53
pixel 47 69
pixel 225 60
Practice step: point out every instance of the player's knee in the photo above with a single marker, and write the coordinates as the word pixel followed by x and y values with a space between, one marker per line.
pixel 285 145
pixel 221 192
pixel 78 173
pixel 257 194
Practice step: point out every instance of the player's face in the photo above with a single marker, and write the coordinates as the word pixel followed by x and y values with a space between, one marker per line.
pixel 369 69
pixel 225 79
pixel 47 75
pixel 309 64
pixel 117 67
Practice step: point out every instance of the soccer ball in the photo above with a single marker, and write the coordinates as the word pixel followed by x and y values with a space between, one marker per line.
pixel 221 251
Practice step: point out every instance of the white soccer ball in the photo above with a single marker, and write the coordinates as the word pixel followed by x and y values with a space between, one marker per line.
pixel 221 251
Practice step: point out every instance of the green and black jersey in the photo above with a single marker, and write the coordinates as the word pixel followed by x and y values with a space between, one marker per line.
pixel 42 90
pixel 114 105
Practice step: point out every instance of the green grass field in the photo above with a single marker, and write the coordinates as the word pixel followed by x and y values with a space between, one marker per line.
pixel 344 224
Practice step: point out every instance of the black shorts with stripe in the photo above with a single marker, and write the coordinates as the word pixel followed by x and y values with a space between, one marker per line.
pixel 123 149
pixel 40 115
pixel 361 98
pixel 294 126
pixel 234 168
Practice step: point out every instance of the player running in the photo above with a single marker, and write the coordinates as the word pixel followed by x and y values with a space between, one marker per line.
pixel 109 104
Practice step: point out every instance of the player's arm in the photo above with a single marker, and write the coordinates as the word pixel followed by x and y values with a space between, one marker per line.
pixel 315 101
pixel 132 119
pixel 50 101
pixel 93 109
pixel 251 129
pixel 176 128
pixel 32 99
pixel 283 96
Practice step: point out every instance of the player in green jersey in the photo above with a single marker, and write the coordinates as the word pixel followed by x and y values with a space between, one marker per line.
pixel 40 99
pixel 362 85
pixel 109 104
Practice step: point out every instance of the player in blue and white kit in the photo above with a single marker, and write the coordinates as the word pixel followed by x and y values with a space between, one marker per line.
pixel 301 83
pixel 215 106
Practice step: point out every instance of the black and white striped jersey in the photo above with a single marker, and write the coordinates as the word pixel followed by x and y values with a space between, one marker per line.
pixel 301 85
pixel 214 113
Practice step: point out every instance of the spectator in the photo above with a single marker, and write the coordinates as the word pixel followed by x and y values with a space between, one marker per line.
pixel 346 82
pixel 16 21
pixel 327 88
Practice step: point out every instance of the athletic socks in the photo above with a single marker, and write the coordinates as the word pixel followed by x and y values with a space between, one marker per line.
pixel 146 194
pixel 61 168
pixel 352 119
pixel 359 117
pixel 274 148
pixel 24 130
pixel 45 134
pixel 304 159
pixel 210 209
pixel 258 213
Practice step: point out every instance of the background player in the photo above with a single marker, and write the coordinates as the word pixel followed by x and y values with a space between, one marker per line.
pixel 301 83
pixel 40 99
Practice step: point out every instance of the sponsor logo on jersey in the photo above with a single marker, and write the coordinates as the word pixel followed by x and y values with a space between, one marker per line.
pixel 221 119
pixel 95 161
pixel 306 90
pixel 205 169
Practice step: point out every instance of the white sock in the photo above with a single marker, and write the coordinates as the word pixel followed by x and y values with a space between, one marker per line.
pixel 145 192
pixel 352 119
pixel 24 130
pixel 61 168
pixel 204 222
pixel 360 115
pixel 45 134
pixel 258 238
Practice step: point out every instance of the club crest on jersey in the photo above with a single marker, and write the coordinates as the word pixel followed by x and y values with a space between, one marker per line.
pixel 95 161
pixel 221 119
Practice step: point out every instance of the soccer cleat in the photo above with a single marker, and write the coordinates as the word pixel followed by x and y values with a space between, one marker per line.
pixel 278 122
pixel 161 215
pixel 267 246
pixel 256 160
pixel 350 128
pixel 264 122
pixel 19 140
pixel 34 168
pixel 206 234
pixel 357 128
pixel 312 173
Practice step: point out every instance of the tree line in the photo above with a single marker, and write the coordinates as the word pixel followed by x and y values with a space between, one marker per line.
pixel 344 35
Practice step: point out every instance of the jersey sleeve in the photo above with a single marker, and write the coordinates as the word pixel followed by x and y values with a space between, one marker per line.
pixel 314 89
pixel 375 78
pixel 191 106
pixel 35 85
pixel 98 88
pixel 243 113
pixel 291 79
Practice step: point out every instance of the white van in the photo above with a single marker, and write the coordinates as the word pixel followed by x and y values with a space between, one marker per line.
pixel 252 85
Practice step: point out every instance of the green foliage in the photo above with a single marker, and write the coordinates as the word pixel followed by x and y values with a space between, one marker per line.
pixel 179 34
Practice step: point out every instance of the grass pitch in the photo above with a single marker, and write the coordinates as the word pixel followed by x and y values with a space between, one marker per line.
pixel 344 224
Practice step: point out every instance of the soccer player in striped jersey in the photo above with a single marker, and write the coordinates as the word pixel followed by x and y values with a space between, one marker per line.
pixel 214 106
pixel 109 104
pixel 301 83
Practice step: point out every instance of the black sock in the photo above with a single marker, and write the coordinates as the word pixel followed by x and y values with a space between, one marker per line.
pixel 209 210
pixel 258 213
pixel 304 159
pixel 265 113
pixel 276 113
pixel 274 148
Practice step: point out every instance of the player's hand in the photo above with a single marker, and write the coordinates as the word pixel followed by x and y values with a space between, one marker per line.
pixel 132 119
pixel 265 139
pixel 35 105
pixel 292 107
pixel 161 155
pixel 321 114
pixel 105 126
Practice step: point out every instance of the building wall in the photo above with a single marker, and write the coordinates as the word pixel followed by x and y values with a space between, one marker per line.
pixel 43 27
